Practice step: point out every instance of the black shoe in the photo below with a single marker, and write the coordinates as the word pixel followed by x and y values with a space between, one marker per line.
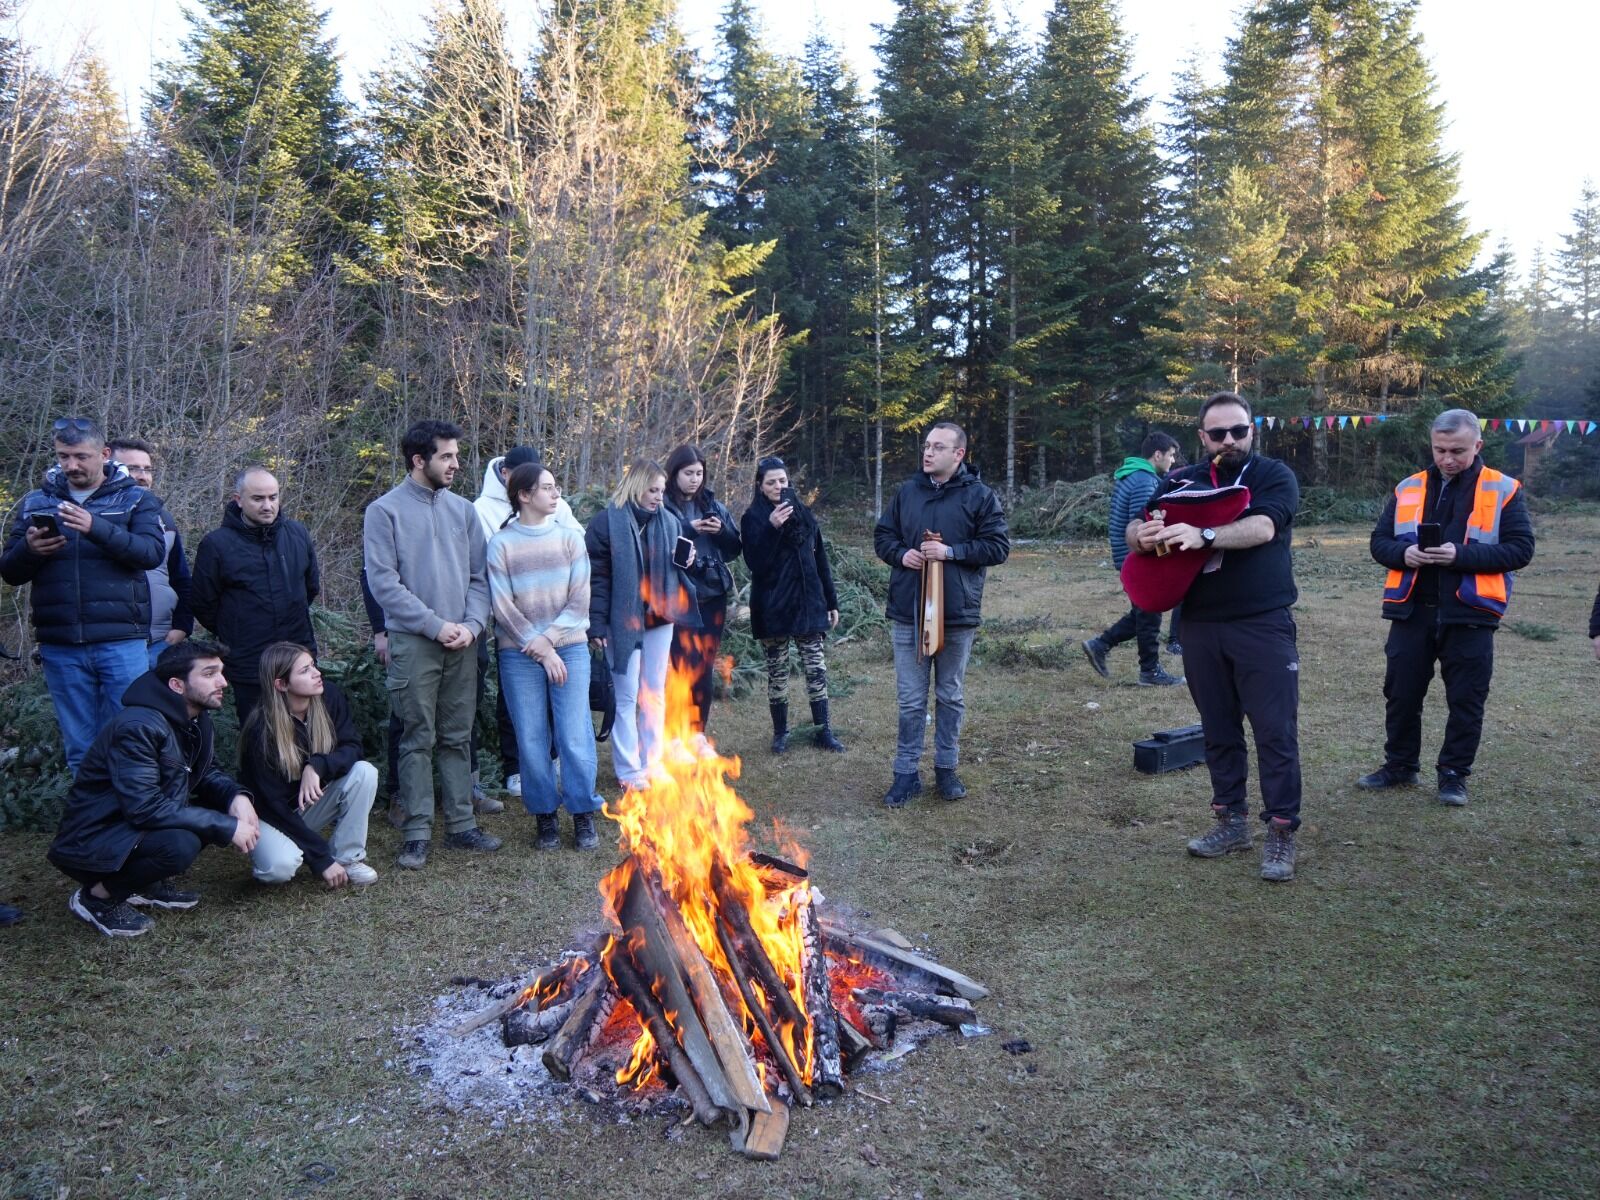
pixel 9 915
pixel 584 836
pixel 1386 777
pixel 1095 651
pixel 472 839
pixel 950 785
pixel 1158 678
pixel 114 920
pixel 413 856
pixel 1452 789
pixel 903 788
pixel 548 834
pixel 780 725
pixel 824 738
pixel 161 894
pixel 1175 647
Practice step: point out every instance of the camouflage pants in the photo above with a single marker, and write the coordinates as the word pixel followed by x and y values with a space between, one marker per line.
pixel 810 659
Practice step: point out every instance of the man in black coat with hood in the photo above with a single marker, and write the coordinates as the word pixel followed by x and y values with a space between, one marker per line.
pixel 149 795
pixel 948 499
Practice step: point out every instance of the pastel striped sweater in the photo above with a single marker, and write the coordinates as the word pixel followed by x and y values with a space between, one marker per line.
pixel 539 584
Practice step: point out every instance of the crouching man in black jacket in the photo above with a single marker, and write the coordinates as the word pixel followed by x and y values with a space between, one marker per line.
pixel 148 796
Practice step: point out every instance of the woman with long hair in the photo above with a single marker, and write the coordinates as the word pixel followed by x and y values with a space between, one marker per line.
pixel 539 590
pixel 300 754
pixel 791 597
pixel 696 640
pixel 636 594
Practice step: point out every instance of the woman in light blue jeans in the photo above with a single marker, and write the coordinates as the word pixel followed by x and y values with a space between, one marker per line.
pixel 539 589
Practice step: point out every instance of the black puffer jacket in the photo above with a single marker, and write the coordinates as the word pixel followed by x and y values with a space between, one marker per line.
pixel 791 583
pixel 967 513
pixel 150 768
pixel 94 588
pixel 253 585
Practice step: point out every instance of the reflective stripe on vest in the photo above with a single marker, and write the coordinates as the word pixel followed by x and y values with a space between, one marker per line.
pixel 1410 497
pixel 1489 592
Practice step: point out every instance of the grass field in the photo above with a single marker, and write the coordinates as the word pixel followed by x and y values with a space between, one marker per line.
pixel 1417 1015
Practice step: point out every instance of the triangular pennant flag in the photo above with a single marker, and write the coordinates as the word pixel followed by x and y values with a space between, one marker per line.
pixel 1328 421
pixel 1368 420
pixel 1589 430
pixel 1383 416
pixel 1272 422
pixel 1522 424
pixel 1570 424
pixel 1543 425
pixel 1495 423
pixel 1483 423
pixel 1258 422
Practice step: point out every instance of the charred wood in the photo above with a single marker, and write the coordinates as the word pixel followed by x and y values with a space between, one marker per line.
pixel 519 1027
pixel 827 1071
pixel 593 999
pixel 947 1010
pixel 882 1020
pixel 853 1044
pixel 730 906
pixel 558 979
pixel 924 972
pixel 634 986
pixel 780 1053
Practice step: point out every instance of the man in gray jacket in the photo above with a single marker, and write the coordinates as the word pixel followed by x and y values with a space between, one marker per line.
pixel 425 560
pixel 171 619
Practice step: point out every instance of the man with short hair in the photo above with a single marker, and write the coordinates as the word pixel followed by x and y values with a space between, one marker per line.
pixel 171 619
pixel 1137 479
pixel 1451 536
pixel 425 557
pixel 255 577
pixel 1239 649
pixel 945 499
pixel 85 540
pixel 149 796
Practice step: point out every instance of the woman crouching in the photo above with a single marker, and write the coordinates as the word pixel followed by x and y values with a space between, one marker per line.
pixel 300 755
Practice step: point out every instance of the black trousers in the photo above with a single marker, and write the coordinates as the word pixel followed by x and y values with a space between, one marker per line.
pixel 696 650
pixel 1465 654
pixel 160 854
pixel 1248 667
pixel 1143 626
pixel 245 697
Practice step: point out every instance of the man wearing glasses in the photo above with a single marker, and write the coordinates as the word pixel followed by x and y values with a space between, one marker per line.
pixel 1238 635
pixel 947 499
pixel 85 540
pixel 171 619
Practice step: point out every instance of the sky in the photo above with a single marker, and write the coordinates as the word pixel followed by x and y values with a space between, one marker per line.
pixel 1511 76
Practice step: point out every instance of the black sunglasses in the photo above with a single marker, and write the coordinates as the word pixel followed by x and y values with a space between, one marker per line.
pixel 1238 431
pixel 81 424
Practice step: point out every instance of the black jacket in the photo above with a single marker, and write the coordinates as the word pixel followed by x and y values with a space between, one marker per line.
pixel 94 588
pixel 1513 552
pixel 712 553
pixel 253 585
pixel 150 768
pixel 278 799
pixel 967 513
pixel 791 583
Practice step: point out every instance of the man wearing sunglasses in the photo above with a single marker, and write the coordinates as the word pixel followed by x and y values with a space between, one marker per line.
pixel 85 540
pixel 1239 651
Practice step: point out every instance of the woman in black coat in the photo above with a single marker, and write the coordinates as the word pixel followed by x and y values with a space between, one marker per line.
pixel 698 636
pixel 791 597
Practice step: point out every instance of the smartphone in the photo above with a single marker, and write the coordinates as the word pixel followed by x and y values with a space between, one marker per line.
pixel 46 523
pixel 681 551
pixel 1429 536
pixel 787 496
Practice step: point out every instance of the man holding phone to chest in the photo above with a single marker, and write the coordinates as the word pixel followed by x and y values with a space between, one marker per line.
pixel 1451 537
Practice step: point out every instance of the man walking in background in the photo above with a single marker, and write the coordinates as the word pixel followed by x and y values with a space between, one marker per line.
pixel 171 619
pixel 1137 479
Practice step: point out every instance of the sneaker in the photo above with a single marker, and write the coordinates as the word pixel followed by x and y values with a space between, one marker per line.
pixel 548 834
pixel 584 836
pixel 1095 651
pixel 161 894
pixel 413 856
pixel 1277 853
pixel 514 784
pixel 1386 777
pixel 472 839
pixel 902 789
pixel 359 874
pixel 113 920
pixel 950 785
pixel 1158 678
pixel 9 915
pixel 482 802
pixel 1175 647
pixel 1452 789
pixel 1230 833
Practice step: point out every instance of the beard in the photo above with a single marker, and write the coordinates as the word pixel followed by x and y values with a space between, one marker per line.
pixel 1232 458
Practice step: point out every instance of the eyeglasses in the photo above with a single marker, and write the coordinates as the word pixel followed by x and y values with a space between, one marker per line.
pixel 81 424
pixel 937 447
pixel 1238 431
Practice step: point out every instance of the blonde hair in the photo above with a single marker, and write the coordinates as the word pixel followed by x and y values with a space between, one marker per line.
pixel 272 720
pixel 636 481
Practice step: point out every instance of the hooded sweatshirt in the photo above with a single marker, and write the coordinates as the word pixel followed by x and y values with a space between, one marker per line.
pixel 1136 478
pixel 494 508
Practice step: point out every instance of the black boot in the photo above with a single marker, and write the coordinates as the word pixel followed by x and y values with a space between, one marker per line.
pixel 780 725
pixel 824 736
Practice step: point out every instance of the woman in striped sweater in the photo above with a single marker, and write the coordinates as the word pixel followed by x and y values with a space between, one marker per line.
pixel 539 588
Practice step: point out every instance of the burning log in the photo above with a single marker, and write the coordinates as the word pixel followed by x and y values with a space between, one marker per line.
pixel 947 1010
pixel 730 906
pixel 853 1044
pixel 827 1072
pixel 780 1053
pixel 882 1020
pixel 593 999
pixel 554 981
pixel 904 964
pixel 619 962
pixel 519 1027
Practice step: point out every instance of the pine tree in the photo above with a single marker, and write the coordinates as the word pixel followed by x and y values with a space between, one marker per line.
pixel 1579 262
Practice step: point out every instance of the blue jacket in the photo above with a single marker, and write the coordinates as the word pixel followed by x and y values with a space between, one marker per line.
pixel 94 588
pixel 1136 482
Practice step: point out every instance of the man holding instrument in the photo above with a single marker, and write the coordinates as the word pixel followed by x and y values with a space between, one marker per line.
pixel 1451 536
pixel 943 515
pixel 1239 651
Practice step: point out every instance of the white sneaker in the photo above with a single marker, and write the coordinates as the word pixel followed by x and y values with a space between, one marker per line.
pixel 513 785
pixel 360 874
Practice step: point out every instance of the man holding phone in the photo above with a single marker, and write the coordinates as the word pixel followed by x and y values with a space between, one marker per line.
pixel 85 540
pixel 1451 537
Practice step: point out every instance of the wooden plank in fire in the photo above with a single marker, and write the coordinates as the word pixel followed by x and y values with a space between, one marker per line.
pixel 593 998
pixel 827 1071
pixel 914 967
pixel 512 1001
pixel 767 1133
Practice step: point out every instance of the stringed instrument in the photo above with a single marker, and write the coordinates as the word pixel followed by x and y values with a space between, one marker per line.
pixel 930 602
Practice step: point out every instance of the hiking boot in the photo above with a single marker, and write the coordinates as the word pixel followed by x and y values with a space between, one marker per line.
pixel 950 785
pixel 161 894
pixel 359 874
pixel 119 919
pixel 1158 678
pixel 1095 651
pixel 1175 647
pixel 472 839
pixel 584 836
pixel 514 784
pixel 1452 789
pixel 1277 852
pixel 547 835
pixel 824 738
pixel 9 915
pixel 413 856
pixel 1230 833
pixel 780 725
pixel 1386 777
pixel 903 788
pixel 482 802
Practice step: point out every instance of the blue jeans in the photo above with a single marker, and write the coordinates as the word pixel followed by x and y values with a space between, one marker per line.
pixel 86 685
pixel 911 684
pixel 534 702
